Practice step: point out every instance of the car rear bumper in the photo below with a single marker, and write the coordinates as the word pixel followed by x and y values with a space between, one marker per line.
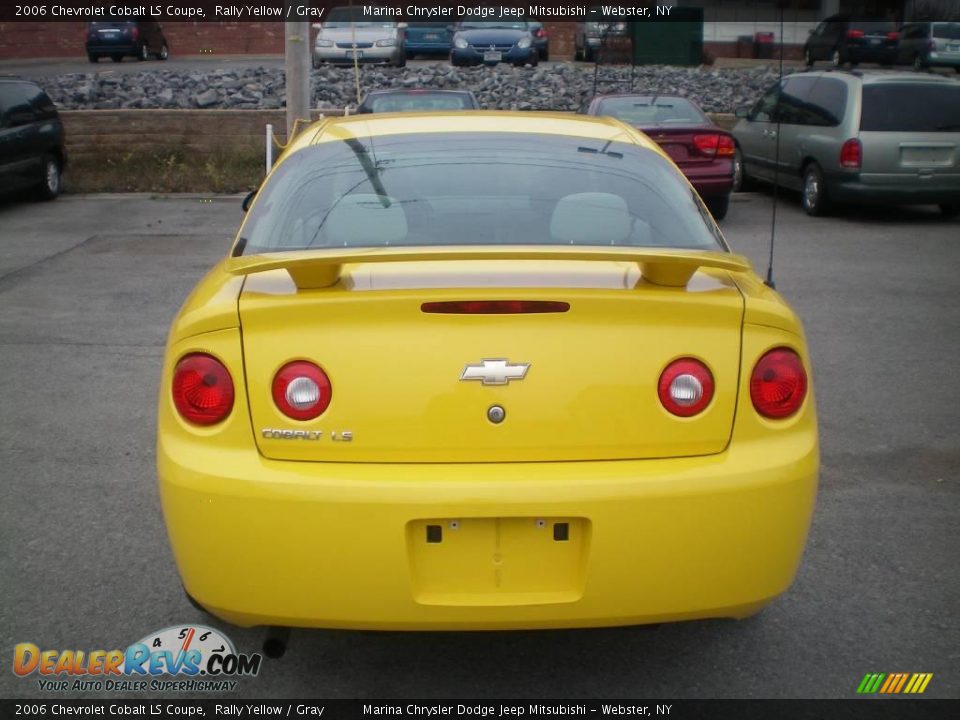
pixel 341 56
pixel 894 189
pixel 943 59
pixel 473 56
pixel 102 48
pixel 262 542
pixel 879 54
pixel 710 180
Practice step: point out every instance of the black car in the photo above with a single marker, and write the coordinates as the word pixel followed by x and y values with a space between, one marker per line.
pixel 843 40
pixel 119 39
pixel 31 139
pixel 417 100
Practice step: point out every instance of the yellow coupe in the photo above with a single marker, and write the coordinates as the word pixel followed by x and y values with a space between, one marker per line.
pixel 479 371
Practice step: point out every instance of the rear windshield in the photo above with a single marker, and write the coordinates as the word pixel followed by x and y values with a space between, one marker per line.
pixel 873 27
pixel 417 102
pixel 651 110
pixel 475 189
pixel 906 107
pixel 946 31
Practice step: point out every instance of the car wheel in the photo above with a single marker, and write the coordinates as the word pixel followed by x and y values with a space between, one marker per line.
pixel 51 180
pixel 949 211
pixel 93 58
pixel 837 58
pixel 545 56
pixel 315 62
pixel 164 52
pixel 117 58
pixel 718 207
pixel 740 180
pixel 144 52
pixel 588 54
pixel 814 191
pixel 401 61
pixel 807 58
pixel 578 54
pixel 918 63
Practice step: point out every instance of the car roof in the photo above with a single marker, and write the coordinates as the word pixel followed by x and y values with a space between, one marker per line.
pixel 417 91
pixel 870 76
pixel 472 121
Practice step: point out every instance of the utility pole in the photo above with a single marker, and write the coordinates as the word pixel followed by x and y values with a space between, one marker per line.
pixel 297 64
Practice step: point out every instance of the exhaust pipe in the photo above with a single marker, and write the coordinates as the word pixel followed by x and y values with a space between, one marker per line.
pixel 275 644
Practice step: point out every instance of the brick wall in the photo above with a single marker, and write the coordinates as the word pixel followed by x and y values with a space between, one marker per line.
pixel 68 39
pixel 106 133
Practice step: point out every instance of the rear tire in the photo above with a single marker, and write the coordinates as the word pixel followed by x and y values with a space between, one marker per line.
pixel 545 56
pixel 143 53
pixel 808 58
pixel 814 194
pixel 51 181
pixel 164 52
pixel 718 207
pixel 837 58
pixel 949 211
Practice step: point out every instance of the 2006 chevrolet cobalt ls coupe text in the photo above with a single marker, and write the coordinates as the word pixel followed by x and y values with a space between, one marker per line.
pixel 483 370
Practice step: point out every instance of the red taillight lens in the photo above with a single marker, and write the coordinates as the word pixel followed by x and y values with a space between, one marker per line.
pixel 851 154
pixel 135 33
pixel 706 144
pixel 685 387
pixel 854 33
pixel 202 389
pixel 726 146
pixel 541 33
pixel 778 385
pixel 893 35
pixel 301 390
pixel 494 307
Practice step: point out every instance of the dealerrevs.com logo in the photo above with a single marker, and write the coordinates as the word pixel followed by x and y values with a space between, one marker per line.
pixel 202 658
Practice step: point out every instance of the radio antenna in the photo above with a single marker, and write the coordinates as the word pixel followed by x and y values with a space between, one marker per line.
pixel 769 282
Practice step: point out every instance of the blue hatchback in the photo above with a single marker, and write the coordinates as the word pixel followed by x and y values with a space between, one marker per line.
pixel 492 42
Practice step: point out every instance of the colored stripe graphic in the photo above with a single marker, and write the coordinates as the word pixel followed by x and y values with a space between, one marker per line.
pixel 894 683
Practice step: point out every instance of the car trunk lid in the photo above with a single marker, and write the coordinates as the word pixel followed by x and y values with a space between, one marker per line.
pixel 416 386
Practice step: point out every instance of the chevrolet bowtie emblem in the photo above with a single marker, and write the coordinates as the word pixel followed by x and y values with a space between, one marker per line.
pixel 494 372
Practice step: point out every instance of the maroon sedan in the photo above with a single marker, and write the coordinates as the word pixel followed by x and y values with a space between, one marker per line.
pixel 700 149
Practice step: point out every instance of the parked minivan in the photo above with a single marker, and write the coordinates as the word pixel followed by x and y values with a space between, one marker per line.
pixel 855 137
pixel 118 39
pixel 843 40
pixel 31 139
pixel 930 44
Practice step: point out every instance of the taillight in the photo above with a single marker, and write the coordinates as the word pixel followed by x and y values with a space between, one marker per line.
pixel 202 389
pixel 494 307
pixel 685 387
pixel 706 144
pixel 851 154
pixel 854 33
pixel 541 33
pixel 893 35
pixel 726 146
pixel 301 390
pixel 135 33
pixel 778 384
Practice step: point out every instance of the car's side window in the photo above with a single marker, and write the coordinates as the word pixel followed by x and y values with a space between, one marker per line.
pixel 766 106
pixel 828 102
pixel 793 108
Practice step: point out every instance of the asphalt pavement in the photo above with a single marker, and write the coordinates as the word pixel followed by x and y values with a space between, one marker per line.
pixel 89 285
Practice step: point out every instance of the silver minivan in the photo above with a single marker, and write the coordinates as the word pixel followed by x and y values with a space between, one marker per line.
pixel 930 44
pixel 855 137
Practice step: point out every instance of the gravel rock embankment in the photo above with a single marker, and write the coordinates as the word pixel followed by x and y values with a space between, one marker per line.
pixel 561 86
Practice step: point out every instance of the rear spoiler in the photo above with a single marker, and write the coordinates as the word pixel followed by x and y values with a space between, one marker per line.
pixel 321 268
